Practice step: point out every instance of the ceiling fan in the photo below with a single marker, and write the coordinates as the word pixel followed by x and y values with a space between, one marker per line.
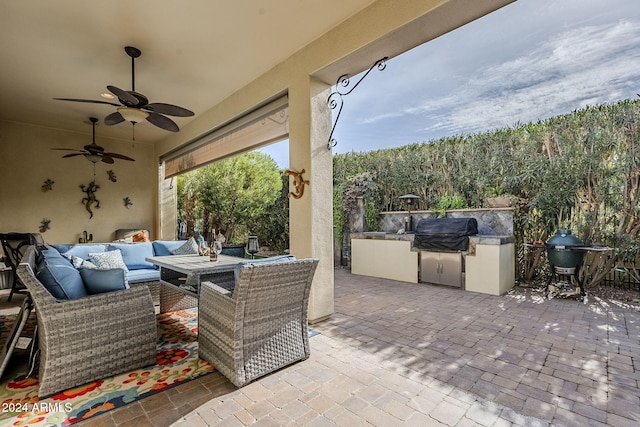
pixel 135 107
pixel 93 152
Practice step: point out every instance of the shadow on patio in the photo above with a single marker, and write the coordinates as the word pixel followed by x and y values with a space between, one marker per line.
pixel 397 353
pixel 559 360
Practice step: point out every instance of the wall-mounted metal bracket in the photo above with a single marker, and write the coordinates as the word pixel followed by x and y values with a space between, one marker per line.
pixel 344 88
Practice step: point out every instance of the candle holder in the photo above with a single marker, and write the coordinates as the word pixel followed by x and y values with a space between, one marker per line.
pixel 253 246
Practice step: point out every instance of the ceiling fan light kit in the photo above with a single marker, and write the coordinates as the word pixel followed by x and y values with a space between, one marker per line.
pixel 134 107
pixel 132 115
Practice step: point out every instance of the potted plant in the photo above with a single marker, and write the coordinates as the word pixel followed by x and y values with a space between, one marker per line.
pixel 497 197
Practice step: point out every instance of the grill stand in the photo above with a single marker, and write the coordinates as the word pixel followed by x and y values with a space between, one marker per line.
pixel 562 271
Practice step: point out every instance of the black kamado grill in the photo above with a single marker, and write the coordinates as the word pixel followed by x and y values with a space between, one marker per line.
pixel 565 253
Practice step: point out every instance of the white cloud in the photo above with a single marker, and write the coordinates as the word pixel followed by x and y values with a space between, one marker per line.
pixel 590 65
pixel 530 60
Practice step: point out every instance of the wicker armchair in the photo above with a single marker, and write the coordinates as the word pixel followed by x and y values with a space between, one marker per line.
pixel 261 325
pixel 89 338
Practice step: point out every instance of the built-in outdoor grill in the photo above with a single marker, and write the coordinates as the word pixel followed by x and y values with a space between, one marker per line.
pixel 444 234
pixel 441 242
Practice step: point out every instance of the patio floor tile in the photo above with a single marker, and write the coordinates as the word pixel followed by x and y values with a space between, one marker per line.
pixel 396 353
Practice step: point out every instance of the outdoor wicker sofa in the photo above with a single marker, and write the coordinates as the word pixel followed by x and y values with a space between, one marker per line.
pixel 260 325
pixel 89 338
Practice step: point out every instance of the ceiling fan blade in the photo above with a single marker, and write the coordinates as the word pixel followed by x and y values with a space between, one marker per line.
pixel 73 155
pixel 93 148
pixel 162 122
pixel 118 156
pixel 87 100
pixel 106 158
pixel 124 96
pixel 171 110
pixel 67 149
pixel 113 119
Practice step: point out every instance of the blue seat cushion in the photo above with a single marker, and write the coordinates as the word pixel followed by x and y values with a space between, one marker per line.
pixel 166 247
pixel 143 275
pixel 134 254
pixel 49 252
pixel 59 277
pixel 101 281
pixel 80 250
pixel 269 260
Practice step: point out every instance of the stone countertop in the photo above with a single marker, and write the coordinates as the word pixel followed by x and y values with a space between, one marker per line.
pixel 480 239
pixel 490 240
pixel 381 235
pixel 486 239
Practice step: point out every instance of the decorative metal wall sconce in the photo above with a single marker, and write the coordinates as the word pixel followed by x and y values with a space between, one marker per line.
pixel 298 183
pixel 342 89
pixel 90 191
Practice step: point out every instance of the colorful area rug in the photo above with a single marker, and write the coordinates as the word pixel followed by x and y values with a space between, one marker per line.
pixel 177 363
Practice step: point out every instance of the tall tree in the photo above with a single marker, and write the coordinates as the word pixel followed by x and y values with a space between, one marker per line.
pixel 231 194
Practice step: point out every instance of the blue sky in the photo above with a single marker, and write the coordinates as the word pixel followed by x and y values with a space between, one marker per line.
pixel 530 60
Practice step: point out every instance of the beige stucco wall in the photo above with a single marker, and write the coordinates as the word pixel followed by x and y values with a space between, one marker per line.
pixel 386 258
pixel 491 270
pixel 386 28
pixel 26 161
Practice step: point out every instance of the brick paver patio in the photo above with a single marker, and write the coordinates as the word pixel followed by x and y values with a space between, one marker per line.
pixel 397 353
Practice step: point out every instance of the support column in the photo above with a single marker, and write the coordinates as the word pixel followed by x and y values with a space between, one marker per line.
pixel 311 216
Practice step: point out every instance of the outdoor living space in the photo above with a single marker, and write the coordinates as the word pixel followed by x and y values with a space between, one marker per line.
pixel 418 299
pixel 397 353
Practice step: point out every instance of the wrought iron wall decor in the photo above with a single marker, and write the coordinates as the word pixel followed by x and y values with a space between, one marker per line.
pixel 127 202
pixel 298 183
pixel 344 88
pixel 90 191
pixel 48 185
pixel 44 225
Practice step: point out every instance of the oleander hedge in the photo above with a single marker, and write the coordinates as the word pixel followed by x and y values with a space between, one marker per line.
pixel 579 170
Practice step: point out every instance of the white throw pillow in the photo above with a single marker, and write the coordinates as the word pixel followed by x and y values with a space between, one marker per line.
pixel 75 260
pixel 88 264
pixel 190 247
pixel 108 260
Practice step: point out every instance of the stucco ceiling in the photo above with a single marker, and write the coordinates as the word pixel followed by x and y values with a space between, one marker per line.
pixel 194 53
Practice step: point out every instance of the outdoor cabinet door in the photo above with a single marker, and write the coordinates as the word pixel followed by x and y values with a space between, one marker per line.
pixel 429 267
pixel 442 268
pixel 451 268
